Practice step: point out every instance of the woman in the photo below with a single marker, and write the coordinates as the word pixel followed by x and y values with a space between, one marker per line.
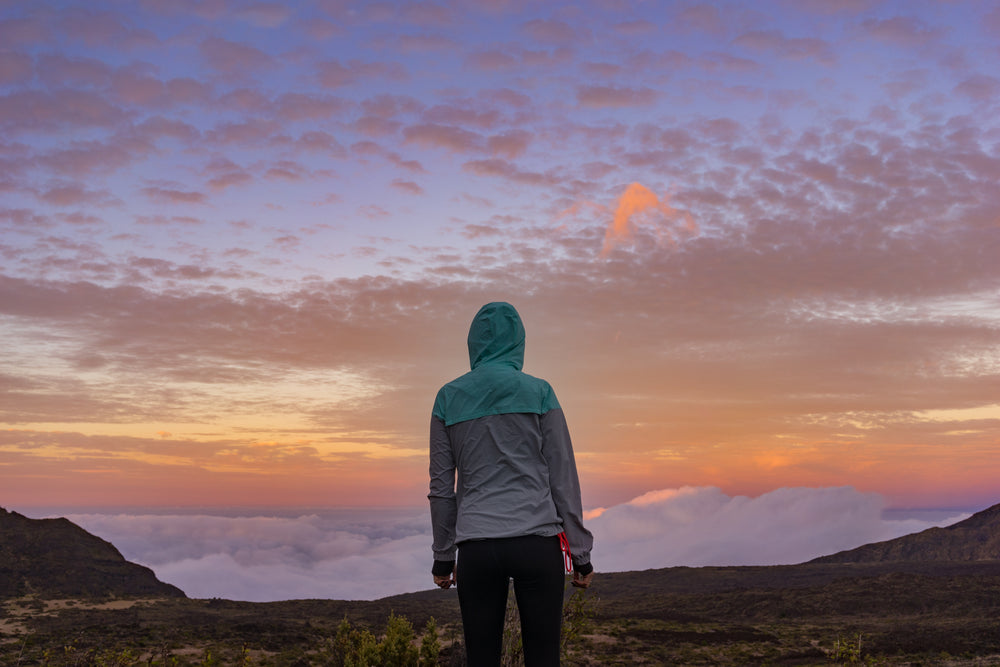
pixel 504 435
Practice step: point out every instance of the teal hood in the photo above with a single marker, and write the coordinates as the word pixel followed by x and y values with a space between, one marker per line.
pixel 495 385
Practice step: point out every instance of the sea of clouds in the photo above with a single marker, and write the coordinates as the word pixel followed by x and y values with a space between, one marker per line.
pixel 368 554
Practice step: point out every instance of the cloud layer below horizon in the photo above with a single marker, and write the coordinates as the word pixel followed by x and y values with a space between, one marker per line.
pixel 366 555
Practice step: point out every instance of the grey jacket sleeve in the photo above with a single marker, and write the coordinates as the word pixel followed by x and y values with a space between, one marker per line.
pixel 444 507
pixel 565 484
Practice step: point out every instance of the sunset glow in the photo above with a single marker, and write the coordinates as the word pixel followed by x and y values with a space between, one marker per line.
pixel 241 244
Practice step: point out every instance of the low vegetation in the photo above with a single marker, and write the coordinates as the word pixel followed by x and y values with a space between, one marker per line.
pixel 886 614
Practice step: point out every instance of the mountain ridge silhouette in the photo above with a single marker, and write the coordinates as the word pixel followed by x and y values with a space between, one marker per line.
pixel 55 558
pixel 975 538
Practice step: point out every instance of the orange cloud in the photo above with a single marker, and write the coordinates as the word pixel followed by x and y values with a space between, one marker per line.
pixel 636 200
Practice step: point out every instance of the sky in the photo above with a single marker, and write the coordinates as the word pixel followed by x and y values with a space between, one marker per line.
pixel 754 245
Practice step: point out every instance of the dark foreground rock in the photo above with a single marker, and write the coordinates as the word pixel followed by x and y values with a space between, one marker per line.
pixel 55 558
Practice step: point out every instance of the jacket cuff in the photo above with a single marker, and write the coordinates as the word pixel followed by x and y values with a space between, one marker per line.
pixel 583 569
pixel 442 568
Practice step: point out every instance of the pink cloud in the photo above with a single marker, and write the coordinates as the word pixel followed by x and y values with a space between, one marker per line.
pixel 164 220
pixel 78 218
pixel 716 129
pixel 74 194
pixel 264 14
pixel 302 106
pixel 157 127
pixel 253 131
pixel 830 7
pixel 511 144
pixel 226 178
pixel 247 100
pixel 163 195
pixel 901 30
pixel 602 70
pixel 979 87
pixel 86 157
pixel 15 68
pixel 316 140
pixel 230 57
pixel 56 69
pixel 23 31
pixel 443 136
pixel 425 43
pixel 991 22
pixel 390 106
pixel 427 14
pixel 188 91
pixel 559 56
pixel 138 89
pixel 452 114
pixel 635 27
pixel 205 9
pixel 705 18
pixel 374 126
pixel 103 28
pixel 668 60
pixel 506 170
pixel 23 217
pixel 413 166
pixel 506 96
pixel 773 41
pixel 614 97
pixel 41 110
pixel 408 187
pixel 492 60
pixel 286 170
pixel 321 29
pixel 551 31
pixel 332 74
pixel 726 62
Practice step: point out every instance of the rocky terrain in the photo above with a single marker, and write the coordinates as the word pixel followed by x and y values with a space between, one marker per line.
pixel 55 558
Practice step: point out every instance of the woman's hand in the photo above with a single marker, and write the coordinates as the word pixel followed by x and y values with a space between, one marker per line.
pixel 582 580
pixel 446 581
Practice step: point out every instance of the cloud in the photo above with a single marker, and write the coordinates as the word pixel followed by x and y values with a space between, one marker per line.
pixel 409 187
pixel 492 60
pixel 900 30
pixel 75 194
pixel 449 137
pixel 551 31
pixel 368 554
pixel 16 31
pixel 509 171
pixel 979 87
pixel 15 68
pixel 174 196
pixel 703 526
pixel 264 14
pixel 792 48
pixel 38 110
pixel 333 74
pixel 633 205
pixel 511 144
pixel 612 97
pixel 230 57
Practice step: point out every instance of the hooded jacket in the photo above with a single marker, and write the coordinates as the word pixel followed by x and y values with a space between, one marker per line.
pixel 501 459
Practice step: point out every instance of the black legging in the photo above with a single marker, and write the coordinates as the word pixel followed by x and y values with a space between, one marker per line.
pixel 484 568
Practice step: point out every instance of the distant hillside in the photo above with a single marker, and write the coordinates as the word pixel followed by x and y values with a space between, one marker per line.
pixel 55 558
pixel 976 538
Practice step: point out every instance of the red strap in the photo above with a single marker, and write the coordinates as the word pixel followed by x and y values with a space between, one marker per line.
pixel 567 556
